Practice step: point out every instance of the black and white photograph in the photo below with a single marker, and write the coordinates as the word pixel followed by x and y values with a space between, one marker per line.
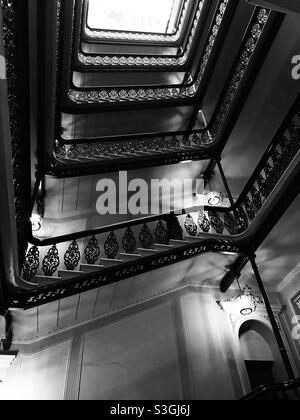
pixel 149 203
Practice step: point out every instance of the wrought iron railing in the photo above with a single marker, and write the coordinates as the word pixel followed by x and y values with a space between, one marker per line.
pixel 166 93
pixel 285 391
pixel 80 155
pixel 235 219
pixel 165 239
pixel 123 60
pixel 101 276
pixel 126 269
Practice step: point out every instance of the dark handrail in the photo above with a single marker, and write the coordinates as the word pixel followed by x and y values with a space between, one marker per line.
pixel 263 390
pixel 128 137
pixel 264 159
pixel 101 230
pixel 21 298
pixel 220 36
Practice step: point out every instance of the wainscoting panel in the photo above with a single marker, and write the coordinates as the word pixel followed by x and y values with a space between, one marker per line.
pixel 38 376
pixel 135 358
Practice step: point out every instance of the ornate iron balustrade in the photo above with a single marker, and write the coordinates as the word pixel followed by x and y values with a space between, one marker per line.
pixel 228 223
pixel 11 49
pixel 28 299
pixel 159 231
pixel 189 91
pixel 80 156
pixel 161 149
pixel 129 36
pixel 90 61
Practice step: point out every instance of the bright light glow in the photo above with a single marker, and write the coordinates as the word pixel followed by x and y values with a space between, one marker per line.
pixel 6 360
pixel 186 161
pixel 155 16
pixel 36 221
pixel 244 304
pixel 215 198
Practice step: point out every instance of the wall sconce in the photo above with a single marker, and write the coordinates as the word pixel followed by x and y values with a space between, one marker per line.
pixel 36 222
pixel 215 198
pixel 37 216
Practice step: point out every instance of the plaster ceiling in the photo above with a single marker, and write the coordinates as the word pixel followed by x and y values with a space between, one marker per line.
pixel 133 15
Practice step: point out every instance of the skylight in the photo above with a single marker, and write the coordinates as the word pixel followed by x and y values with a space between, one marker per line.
pixel 154 16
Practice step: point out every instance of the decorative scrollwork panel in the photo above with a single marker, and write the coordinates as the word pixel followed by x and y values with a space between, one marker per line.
pixel 92 251
pixel 51 261
pixel 72 256
pixel 111 246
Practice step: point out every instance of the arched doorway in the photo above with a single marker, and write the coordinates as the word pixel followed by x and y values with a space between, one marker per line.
pixel 260 353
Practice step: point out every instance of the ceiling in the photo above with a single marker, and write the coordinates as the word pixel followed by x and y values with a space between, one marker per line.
pixel 134 15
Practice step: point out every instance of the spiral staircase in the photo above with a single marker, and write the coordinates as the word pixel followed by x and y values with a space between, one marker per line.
pixel 87 101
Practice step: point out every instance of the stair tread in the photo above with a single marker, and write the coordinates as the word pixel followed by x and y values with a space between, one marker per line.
pixel 122 254
pixel 162 246
pixel 179 242
pixel 41 277
pixel 69 274
pixel 91 267
pixel 153 251
pixel 46 280
pixel 193 238
pixel 69 271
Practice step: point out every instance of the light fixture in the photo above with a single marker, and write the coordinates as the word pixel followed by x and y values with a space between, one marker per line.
pixel 215 198
pixel 243 304
pixel 246 302
pixel 36 222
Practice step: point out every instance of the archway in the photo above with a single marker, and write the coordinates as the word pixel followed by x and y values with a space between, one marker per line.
pixel 260 353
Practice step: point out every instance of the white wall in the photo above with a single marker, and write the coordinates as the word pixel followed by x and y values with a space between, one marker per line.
pixel 177 347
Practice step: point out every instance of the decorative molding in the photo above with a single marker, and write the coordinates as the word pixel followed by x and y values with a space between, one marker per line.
pixel 287 280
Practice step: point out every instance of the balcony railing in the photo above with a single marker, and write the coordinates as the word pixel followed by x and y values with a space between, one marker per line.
pixel 166 93
pixel 81 156
pixel 236 219
pixel 96 61
pixel 88 259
